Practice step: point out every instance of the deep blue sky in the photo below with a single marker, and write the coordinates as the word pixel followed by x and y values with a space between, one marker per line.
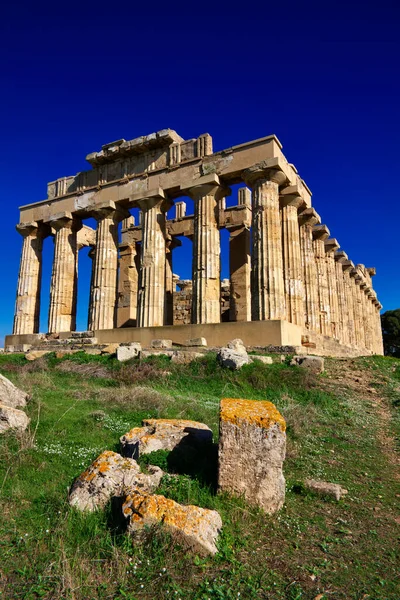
pixel 324 77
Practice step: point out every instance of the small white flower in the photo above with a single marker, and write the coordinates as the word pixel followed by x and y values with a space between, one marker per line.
pixel 142 586
pixel 47 531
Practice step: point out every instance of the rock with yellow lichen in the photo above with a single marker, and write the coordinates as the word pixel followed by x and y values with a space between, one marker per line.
pixel 12 418
pixel 11 395
pixel 108 476
pixel 252 449
pixel 164 434
pixel 193 527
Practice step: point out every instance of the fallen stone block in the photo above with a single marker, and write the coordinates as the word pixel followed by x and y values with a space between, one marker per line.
pixel 110 348
pixel 324 488
pixel 231 359
pixel 125 353
pixel 252 449
pixel 267 360
pixel 63 353
pixel 110 475
pixel 161 344
pixel 194 527
pixel 237 346
pixel 10 395
pixel 12 418
pixel 164 434
pixel 200 341
pixel 34 354
pixel 93 351
pixel 183 358
pixel 315 364
pixel 148 353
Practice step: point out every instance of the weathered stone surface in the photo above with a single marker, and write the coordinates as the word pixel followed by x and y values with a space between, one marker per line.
pixel 323 488
pixel 194 527
pixel 125 353
pixel 267 360
pixel 10 395
pixel 12 418
pixel 251 452
pixel 34 354
pixel 183 358
pixel 161 344
pixel 110 475
pixel 163 434
pixel 231 359
pixel 110 348
pixel 200 341
pixel 237 346
pixel 155 352
pixel 316 364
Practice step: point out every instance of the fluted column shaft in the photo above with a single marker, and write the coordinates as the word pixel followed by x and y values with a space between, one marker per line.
pixel 292 262
pixel 170 285
pixel 342 303
pixel 308 219
pixel 379 330
pixel 240 272
pixel 267 282
pixel 27 306
pixel 64 278
pixel 333 288
pixel 347 266
pixel 151 308
pixel 358 324
pixel 366 316
pixel 105 268
pixel 206 267
pixel 128 283
pixel 323 286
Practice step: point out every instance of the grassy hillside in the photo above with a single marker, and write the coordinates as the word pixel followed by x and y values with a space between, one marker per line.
pixel 342 428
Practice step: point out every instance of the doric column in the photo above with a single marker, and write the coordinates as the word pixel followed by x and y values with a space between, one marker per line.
pixel 92 256
pixel 340 258
pixel 331 246
pixel 307 219
pixel 358 323
pixel 206 303
pixel 379 329
pixel 239 272
pixel 128 282
pixel 348 266
pixel 27 306
pixel 371 341
pixel 170 284
pixel 267 282
pixel 320 234
pixel 64 278
pixel 151 309
pixel 105 274
pixel 291 202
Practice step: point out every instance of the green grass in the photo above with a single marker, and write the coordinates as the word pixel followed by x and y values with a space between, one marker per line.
pixel 313 546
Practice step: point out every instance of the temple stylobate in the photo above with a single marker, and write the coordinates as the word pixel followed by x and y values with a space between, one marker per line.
pixel 289 283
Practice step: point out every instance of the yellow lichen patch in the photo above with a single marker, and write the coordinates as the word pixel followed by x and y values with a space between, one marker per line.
pixel 239 411
pixel 133 433
pixel 180 423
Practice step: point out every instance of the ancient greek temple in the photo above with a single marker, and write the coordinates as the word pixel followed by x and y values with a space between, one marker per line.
pixel 289 283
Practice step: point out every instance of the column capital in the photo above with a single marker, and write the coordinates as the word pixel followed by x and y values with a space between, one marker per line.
pixel 264 171
pixel 27 228
pixel 348 265
pixel 341 256
pixel 309 217
pixel 371 271
pixel 331 245
pixel 290 196
pixel 206 185
pixel 320 232
pixel 154 198
pixel 172 243
pixel 64 220
pixel 108 209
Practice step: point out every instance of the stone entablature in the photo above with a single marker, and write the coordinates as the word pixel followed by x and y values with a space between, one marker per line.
pixel 284 266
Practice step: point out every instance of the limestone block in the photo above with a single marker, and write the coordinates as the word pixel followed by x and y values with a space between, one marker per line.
pixel 93 351
pixel 267 360
pixel 10 395
pixel 200 341
pixel 316 364
pixel 148 353
pixel 34 354
pixel 184 358
pixel 110 348
pixel 251 452
pixel 237 346
pixel 125 353
pixel 161 343
pixel 323 488
pixel 163 434
pixel 196 528
pixel 12 418
pixel 110 475
pixel 231 359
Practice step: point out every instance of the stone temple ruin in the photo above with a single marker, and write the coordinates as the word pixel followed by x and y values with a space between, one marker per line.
pixel 289 284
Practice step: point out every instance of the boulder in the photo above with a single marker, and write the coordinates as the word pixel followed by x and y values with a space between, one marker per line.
pixel 12 418
pixel 231 359
pixel 10 395
pixel 194 527
pixel 251 452
pixel 111 475
pixel 164 434
pixel 237 346
pixel 93 351
pixel 267 360
pixel 34 354
pixel 161 344
pixel 110 348
pixel 200 341
pixel 323 488
pixel 184 358
pixel 125 353
pixel 315 364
